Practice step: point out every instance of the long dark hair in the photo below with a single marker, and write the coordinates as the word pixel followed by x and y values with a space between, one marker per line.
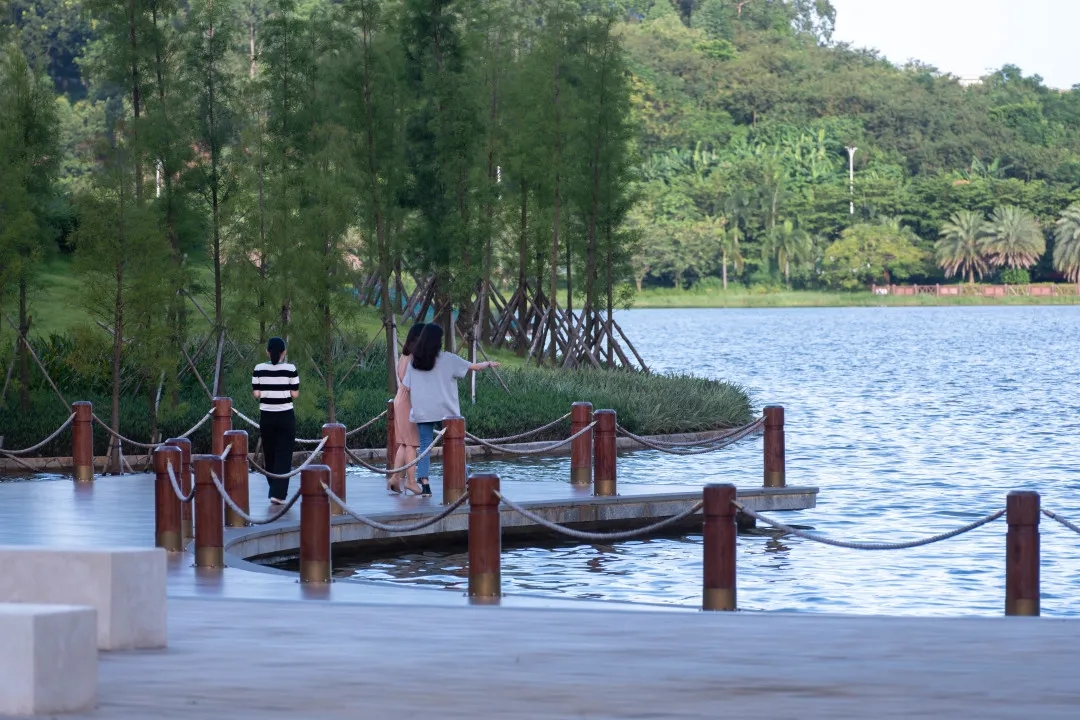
pixel 427 347
pixel 411 338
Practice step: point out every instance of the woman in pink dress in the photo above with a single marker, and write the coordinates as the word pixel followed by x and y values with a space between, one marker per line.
pixel 405 432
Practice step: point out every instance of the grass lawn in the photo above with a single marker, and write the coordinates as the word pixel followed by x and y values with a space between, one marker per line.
pixel 743 298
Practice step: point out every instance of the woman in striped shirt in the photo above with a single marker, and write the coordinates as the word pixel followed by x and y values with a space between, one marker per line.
pixel 275 385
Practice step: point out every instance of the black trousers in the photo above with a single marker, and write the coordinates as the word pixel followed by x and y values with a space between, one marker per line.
pixel 278 431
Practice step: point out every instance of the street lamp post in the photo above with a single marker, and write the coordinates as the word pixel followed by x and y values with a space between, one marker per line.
pixel 851 175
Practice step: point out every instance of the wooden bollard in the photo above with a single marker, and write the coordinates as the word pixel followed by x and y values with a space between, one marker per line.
pixel 314 525
pixel 220 423
pixel 581 449
pixel 333 456
pixel 1022 553
pixel 774 446
pixel 167 533
pixel 236 477
pixel 209 530
pixel 604 453
pixel 187 523
pixel 82 441
pixel 485 537
pixel 720 533
pixel 453 459
pixel 391 435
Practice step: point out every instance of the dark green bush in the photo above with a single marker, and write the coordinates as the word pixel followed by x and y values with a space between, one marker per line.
pixel 645 403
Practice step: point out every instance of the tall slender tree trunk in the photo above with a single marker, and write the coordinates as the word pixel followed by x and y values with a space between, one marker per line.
pixel 24 353
pixel 594 200
pixel 553 286
pixel 215 202
pixel 724 254
pixel 381 239
pixel 136 89
pixel 520 342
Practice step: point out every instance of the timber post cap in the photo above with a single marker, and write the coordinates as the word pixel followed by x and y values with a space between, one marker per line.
pixel 1022 507
pixel 164 455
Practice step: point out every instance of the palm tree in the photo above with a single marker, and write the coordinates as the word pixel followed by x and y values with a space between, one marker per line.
pixel 1067 243
pixel 958 249
pixel 1013 238
pixel 790 244
pixel 729 250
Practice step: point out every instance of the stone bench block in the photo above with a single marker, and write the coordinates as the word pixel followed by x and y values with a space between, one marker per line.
pixel 125 585
pixel 48 659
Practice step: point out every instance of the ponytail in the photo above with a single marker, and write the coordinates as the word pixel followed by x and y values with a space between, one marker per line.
pixel 276 348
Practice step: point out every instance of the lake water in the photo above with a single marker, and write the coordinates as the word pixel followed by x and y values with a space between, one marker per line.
pixel 912 421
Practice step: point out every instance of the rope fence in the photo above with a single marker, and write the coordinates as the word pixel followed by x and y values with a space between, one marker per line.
pixel 43 443
pixel 310 459
pixel 520 436
pixel 722 441
pixel 594 536
pixel 243 515
pixel 1054 516
pixel 394 528
pixel 534 451
pixel 393 471
pixel 176 486
pixel 787 529
pixel 148 446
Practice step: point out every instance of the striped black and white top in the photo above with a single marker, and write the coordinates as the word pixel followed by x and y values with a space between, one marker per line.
pixel 276 383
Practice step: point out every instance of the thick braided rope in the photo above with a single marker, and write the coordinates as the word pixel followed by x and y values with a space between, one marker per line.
pixel 527 433
pixel 722 437
pixel 599 537
pixel 311 458
pixel 148 446
pixel 534 451
pixel 1054 516
pixel 868 545
pixel 393 471
pixel 44 442
pixel 743 432
pixel 245 418
pixel 176 486
pixel 247 518
pixel 368 424
pixel 395 528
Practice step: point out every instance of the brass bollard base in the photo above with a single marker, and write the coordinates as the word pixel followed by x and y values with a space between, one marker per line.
pixel 451 495
pixel 233 520
pixel 315 571
pixel 188 531
pixel 211 557
pixel 84 473
pixel 487 584
pixel 1022 608
pixel 774 478
pixel 581 476
pixel 718 599
pixel 336 509
pixel 604 488
pixel 169 540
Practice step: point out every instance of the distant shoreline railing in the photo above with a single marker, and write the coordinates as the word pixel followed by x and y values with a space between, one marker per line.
pixel 980 290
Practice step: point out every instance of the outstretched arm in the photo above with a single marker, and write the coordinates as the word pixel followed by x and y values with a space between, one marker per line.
pixel 483 365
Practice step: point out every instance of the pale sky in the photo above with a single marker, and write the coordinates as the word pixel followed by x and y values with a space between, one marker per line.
pixel 968 38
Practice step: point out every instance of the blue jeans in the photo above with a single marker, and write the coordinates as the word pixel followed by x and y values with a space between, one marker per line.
pixel 427 432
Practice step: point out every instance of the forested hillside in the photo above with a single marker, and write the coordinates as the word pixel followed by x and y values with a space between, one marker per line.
pixel 736 116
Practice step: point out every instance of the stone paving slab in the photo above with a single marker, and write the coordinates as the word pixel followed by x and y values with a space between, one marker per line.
pixel 246 660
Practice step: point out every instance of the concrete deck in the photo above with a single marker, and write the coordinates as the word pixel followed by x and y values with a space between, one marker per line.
pixel 254 644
